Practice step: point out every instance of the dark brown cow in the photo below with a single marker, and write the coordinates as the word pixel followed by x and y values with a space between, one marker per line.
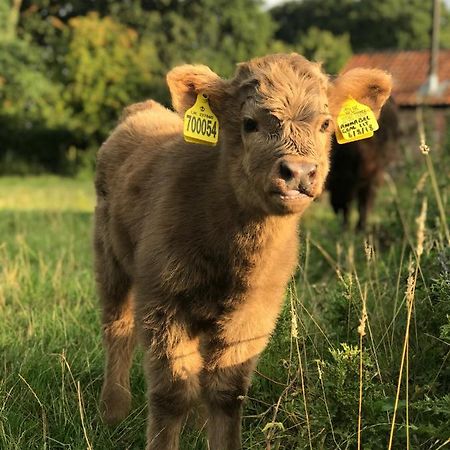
pixel 357 167
pixel 194 245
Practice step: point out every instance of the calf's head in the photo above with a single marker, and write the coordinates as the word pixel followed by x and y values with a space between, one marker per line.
pixel 276 118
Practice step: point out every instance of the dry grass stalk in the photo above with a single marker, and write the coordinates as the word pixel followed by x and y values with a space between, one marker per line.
pixel 362 333
pixel 421 183
pixel 368 250
pixel 444 444
pixel 421 228
pixel 425 149
pixel 409 295
pixel 294 335
pixel 319 370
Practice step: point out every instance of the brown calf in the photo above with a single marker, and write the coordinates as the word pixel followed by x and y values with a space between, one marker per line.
pixel 194 245
pixel 357 167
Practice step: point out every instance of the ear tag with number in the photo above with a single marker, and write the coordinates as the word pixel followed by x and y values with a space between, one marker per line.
pixel 200 123
pixel 355 121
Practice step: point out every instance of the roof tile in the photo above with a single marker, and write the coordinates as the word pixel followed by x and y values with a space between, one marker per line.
pixel 409 71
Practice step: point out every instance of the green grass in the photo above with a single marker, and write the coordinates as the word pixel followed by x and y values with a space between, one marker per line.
pixel 50 344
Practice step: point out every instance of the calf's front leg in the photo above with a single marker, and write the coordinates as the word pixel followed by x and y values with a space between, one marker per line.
pixel 173 366
pixel 224 391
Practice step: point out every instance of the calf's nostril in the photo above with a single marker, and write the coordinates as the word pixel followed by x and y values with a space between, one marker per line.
pixel 312 175
pixel 285 172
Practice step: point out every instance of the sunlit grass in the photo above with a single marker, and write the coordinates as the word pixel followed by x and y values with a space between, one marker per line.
pixel 48 193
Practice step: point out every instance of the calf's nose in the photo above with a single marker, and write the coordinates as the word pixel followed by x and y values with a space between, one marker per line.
pixel 298 175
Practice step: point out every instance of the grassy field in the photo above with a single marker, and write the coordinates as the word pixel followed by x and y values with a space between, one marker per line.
pixel 329 365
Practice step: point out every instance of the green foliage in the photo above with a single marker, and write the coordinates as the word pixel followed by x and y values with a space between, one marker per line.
pixel 371 24
pixel 25 90
pixel 33 115
pixel 445 330
pixel 108 68
pixel 340 375
pixel 322 45
pixel 224 32
pixel 4 16
pixel 219 33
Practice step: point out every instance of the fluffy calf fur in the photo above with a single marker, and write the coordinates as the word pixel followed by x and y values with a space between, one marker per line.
pixel 357 167
pixel 194 245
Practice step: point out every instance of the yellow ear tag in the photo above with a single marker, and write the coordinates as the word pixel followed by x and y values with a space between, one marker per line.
pixel 355 121
pixel 200 123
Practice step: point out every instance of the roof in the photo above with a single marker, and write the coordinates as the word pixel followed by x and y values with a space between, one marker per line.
pixel 409 71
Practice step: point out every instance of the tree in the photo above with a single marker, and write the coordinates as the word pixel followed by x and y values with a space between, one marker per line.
pixel 371 24
pixel 33 115
pixel 219 33
pixel 324 46
pixel 107 67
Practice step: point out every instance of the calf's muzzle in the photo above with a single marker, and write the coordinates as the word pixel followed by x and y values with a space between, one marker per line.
pixel 298 175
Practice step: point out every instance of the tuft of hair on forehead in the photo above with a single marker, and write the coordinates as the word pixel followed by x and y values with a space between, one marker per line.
pixel 289 86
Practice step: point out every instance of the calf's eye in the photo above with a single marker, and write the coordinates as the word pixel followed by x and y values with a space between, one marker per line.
pixel 325 125
pixel 250 125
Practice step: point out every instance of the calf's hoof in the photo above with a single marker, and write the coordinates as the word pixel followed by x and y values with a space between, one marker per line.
pixel 115 404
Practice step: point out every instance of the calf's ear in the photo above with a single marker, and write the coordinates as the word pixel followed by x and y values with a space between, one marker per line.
pixel 371 87
pixel 187 81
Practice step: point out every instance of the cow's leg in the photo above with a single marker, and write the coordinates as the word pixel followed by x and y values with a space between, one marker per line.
pixel 341 201
pixel 366 196
pixel 173 364
pixel 114 288
pixel 224 391
pixel 345 215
